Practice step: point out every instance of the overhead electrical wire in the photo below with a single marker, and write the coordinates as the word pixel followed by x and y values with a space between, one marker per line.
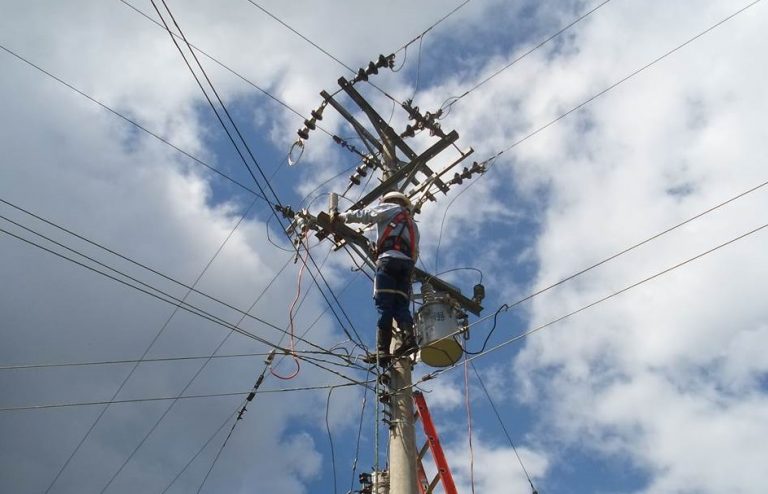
pixel 170 300
pixel 267 184
pixel 131 121
pixel 540 129
pixel 56 365
pixel 454 99
pixel 503 427
pixel 193 308
pixel 210 439
pixel 630 75
pixel 583 308
pixel 48 406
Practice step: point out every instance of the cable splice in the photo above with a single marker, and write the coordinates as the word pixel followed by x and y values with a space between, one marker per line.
pixel 252 394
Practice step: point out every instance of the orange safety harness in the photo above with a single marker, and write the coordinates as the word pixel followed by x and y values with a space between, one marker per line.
pixel 392 236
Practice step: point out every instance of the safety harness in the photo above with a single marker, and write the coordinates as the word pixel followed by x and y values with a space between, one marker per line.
pixel 392 236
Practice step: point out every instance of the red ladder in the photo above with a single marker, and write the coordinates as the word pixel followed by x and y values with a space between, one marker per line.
pixel 433 444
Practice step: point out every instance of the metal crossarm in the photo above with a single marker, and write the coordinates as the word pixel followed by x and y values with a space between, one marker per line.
pixel 433 445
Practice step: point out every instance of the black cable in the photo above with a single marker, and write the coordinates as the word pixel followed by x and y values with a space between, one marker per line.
pixel 169 398
pixel 627 77
pixel 504 307
pixel 132 122
pixel 503 427
pixel 330 438
pixel 249 399
pixel 131 361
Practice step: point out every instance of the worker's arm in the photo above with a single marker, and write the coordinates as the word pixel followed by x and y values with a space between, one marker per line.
pixel 367 215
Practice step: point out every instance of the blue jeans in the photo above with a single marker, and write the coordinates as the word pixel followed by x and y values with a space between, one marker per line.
pixel 392 295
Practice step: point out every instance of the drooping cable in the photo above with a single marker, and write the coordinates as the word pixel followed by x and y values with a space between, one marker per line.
pixel 291 340
pixel 330 438
pixel 199 452
pixel 469 424
pixel 357 442
pixel 503 427
pixel 150 290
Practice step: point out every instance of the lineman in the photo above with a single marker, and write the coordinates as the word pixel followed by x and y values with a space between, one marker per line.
pixel 397 249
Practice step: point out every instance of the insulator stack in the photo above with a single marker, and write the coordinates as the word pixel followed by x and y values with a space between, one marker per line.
pixel 467 173
pixel 427 121
pixel 361 171
pixel 311 123
pixel 373 68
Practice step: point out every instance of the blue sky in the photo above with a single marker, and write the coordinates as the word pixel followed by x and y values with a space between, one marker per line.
pixel 658 390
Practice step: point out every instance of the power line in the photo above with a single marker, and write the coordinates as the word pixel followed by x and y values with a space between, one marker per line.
pixel 131 121
pixel 431 27
pixel 322 50
pixel 255 162
pixel 493 158
pixel 171 299
pixel 169 398
pixel 129 361
pixel 599 301
pixel 503 427
pixel 218 62
pixel 627 77
pixel 454 99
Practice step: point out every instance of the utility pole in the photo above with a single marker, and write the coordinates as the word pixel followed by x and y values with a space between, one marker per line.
pixel 402 437
pixel 442 315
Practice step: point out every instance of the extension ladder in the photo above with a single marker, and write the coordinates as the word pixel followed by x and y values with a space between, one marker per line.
pixel 433 445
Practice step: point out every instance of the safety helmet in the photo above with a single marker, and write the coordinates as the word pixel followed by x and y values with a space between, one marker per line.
pixel 396 196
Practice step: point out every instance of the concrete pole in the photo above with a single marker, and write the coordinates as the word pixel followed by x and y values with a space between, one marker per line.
pixel 402 441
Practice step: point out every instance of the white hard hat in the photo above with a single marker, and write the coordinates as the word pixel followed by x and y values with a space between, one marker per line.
pixel 396 196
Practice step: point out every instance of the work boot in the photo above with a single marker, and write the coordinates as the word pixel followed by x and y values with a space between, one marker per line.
pixel 408 346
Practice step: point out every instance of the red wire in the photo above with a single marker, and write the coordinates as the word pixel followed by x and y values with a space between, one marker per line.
pixel 292 341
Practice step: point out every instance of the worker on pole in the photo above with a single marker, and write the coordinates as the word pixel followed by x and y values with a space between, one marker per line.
pixel 397 249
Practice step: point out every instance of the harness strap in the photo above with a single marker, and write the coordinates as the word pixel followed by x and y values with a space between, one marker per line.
pixel 402 220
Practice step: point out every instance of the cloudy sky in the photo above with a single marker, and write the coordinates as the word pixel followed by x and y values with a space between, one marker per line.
pixel 637 118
